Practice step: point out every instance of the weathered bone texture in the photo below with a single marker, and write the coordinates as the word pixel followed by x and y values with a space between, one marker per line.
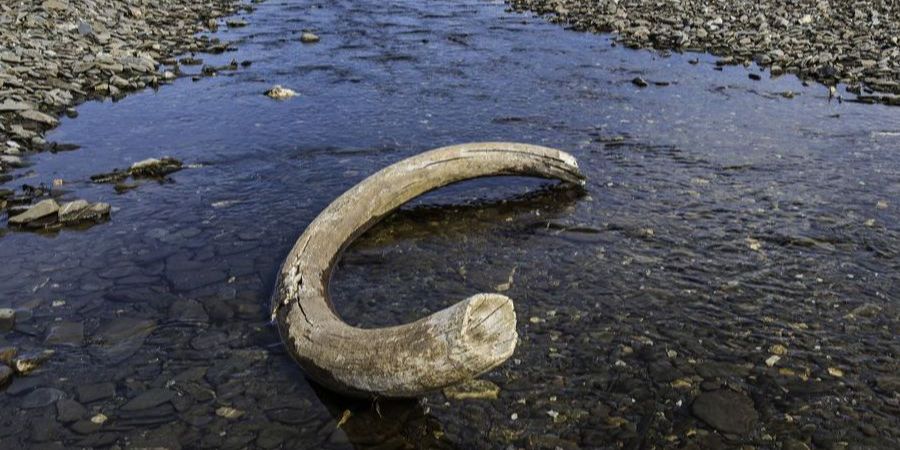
pixel 445 348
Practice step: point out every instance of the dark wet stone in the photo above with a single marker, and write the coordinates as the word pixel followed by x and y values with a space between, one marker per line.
pixel 68 410
pixel 6 375
pixel 65 333
pixel 149 399
pixel 726 411
pixel 88 393
pixel 42 397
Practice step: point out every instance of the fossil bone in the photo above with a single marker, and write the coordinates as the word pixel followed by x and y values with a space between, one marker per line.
pixel 445 348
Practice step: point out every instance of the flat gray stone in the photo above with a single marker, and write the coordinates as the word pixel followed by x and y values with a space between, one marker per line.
pixel 40 210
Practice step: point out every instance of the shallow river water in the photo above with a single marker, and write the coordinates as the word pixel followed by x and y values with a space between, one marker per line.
pixel 722 224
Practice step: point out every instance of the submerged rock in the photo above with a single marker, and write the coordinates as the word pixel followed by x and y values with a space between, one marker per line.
pixel 280 93
pixel 726 411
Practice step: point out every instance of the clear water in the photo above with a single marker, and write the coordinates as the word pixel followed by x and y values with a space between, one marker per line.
pixel 720 219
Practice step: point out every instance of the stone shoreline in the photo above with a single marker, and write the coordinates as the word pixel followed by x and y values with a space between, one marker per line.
pixel 55 54
pixel 854 43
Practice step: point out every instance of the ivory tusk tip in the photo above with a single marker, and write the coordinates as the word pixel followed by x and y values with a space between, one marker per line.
pixel 489 327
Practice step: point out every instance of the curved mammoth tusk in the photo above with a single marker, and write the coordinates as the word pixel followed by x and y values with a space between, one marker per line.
pixel 447 347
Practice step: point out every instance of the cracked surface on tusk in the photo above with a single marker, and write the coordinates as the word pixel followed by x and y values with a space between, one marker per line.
pixel 444 348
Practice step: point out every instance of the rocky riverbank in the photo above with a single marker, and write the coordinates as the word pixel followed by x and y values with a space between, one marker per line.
pixel 855 43
pixel 55 54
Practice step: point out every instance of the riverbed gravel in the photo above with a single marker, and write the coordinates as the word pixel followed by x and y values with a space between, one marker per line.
pixel 55 54
pixel 849 42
